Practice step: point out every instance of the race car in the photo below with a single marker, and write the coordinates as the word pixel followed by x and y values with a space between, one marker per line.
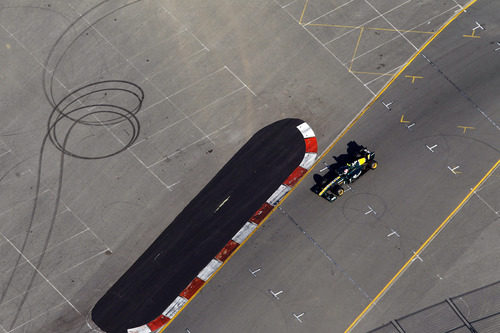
pixel 346 174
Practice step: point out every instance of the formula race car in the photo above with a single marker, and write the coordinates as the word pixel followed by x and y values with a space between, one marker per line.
pixel 345 174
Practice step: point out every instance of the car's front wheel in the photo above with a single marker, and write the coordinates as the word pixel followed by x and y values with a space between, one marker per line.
pixel 373 165
pixel 338 191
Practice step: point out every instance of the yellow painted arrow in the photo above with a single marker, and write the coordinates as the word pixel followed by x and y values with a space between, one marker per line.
pixel 402 119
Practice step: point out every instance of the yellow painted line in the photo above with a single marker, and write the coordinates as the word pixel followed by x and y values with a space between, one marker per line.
pixel 466 128
pixel 333 25
pixel 423 246
pixel 329 148
pixel 356 47
pixel 399 30
pixel 402 119
pixel 372 73
pixel 303 12
pixel 389 284
pixel 413 77
pixel 473 35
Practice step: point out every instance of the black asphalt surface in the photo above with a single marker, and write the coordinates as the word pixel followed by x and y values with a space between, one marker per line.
pixel 198 233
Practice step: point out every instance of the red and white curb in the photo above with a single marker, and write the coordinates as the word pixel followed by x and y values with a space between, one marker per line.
pixel 245 232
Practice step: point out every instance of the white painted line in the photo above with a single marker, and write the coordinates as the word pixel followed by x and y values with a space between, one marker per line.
pixel 497 213
pixel 308 160
pixel 254 272
pixel 453 169
pixel 174 307
pixel 393 233
pixel 367 22
pixel 35 318
pixel 332 54
pixel 329 12
pixel 244 232
pixel 298 316
pixel 6 152
pixel 288 4
pixel 243 83
pixel 431 148
pixel 276 197
pixel 209 269
pixel 417 257
pixel 387 105
pixel 371 211
pixel 40 273
pixel 277 294
pixel 196 82
pixel 410 126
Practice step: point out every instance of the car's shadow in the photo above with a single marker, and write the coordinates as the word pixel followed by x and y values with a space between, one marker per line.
pixel 352 153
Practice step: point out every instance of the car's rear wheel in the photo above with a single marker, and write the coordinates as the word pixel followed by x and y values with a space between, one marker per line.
pixel 338 191
pixel 373 165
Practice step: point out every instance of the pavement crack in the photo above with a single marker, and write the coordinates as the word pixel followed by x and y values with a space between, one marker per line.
pixel 323 251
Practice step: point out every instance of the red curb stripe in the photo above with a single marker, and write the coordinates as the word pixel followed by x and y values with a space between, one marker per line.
pixel 158 322
pixel 295 176
pixel 257 218
pixel 259 215
pixel 192 288
pixel 311 145
pixel 226 250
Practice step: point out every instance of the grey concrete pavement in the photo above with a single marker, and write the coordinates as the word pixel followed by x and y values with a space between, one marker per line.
pixel 212 74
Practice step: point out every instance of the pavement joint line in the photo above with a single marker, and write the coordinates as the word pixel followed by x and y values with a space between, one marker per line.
pixel 41 274
pixel 331 53
pixel 36 317
pixel 467 97
pixel 497 213
pixel 325 254
pixel 433 235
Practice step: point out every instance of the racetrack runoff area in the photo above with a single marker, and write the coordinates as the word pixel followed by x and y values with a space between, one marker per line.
pixel 212 75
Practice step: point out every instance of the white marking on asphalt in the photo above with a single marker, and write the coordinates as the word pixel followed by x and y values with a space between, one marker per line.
pixel 254 272
pixel 440 278
pixel 387 105
pixel 276 294
pixel 40 273
pixel 298 316
pixel 478 26
pixel 497 49
pixel 371 211
pixel 243 83
pixel 453 169
pixel 431 148
pixel 417 257
pixel 410 126
pixel 487 204
pixel 222 204
pixel 393 233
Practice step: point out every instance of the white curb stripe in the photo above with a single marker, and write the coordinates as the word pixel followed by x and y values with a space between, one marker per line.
pixel 308 161
pixel 173 308
pixel 278 195
pixel 140 329
pixel 306 130
pixel 244 232
pixel 209 269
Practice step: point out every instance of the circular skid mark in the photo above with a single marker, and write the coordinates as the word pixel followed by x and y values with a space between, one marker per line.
pixel 364 208
pixel 98 104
